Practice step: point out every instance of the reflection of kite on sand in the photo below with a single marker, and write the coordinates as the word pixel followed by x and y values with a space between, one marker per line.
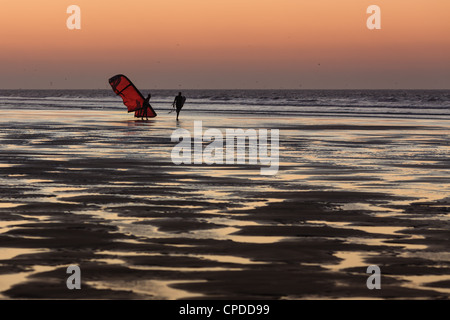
pixel 131 96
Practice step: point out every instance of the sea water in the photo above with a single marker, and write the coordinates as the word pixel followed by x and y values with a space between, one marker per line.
pixel 416 104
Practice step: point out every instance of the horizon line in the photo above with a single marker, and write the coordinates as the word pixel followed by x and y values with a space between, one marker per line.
pixel 255 89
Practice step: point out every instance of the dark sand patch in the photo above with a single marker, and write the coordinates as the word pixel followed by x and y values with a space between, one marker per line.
pixel 440 284
pixel 180 225
pixel 299 231
pixel 58 290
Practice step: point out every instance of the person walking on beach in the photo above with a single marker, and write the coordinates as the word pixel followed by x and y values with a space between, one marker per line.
pixel 145 106
pixel 179 103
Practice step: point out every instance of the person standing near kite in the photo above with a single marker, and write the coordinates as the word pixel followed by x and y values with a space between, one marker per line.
pixel 145 107
pixel 179 103
pixel 132 97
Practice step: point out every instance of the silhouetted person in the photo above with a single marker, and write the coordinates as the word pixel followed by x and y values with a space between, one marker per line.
pixel 146 105
pixel 179 102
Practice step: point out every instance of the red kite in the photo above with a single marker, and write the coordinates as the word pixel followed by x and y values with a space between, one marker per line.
pixel 131 96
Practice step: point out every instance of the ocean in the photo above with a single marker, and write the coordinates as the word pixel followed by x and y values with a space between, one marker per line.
pixel 415 104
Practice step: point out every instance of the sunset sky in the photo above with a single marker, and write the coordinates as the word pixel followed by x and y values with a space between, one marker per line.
pixel 228 44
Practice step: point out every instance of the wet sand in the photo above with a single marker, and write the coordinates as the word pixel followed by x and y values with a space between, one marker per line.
pixel 99 190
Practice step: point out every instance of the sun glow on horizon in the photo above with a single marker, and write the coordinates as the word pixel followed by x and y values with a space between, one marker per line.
pixel 227 44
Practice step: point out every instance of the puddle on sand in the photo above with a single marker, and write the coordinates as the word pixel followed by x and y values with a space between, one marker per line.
pixel 232 222
pixel 385 230
pixel 356 259
pixel 6 165
pixel 33 181
pixel 9 225
pixel 154 289
pixel 228 259
pixel 58 189
pixel 6 226
pixel 379 210
pixel 434 256
pixel 350 259
pixel 228 234
pixel 422 281
pixel 184 269
pixel 9 205
pixel 7 281
pixel 152 232
pixel 385 242
pixel 369 229
pixel 216 258
pixel 9 253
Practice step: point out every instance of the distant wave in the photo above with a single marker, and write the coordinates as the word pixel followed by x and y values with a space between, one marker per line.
pixel 386 103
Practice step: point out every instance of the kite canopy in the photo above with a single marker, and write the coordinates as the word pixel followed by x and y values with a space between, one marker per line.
pixel 131 96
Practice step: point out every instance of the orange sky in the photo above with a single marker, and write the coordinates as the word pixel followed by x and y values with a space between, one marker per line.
pixel 226 44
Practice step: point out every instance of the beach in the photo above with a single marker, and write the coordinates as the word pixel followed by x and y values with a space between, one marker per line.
pixel 98 189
